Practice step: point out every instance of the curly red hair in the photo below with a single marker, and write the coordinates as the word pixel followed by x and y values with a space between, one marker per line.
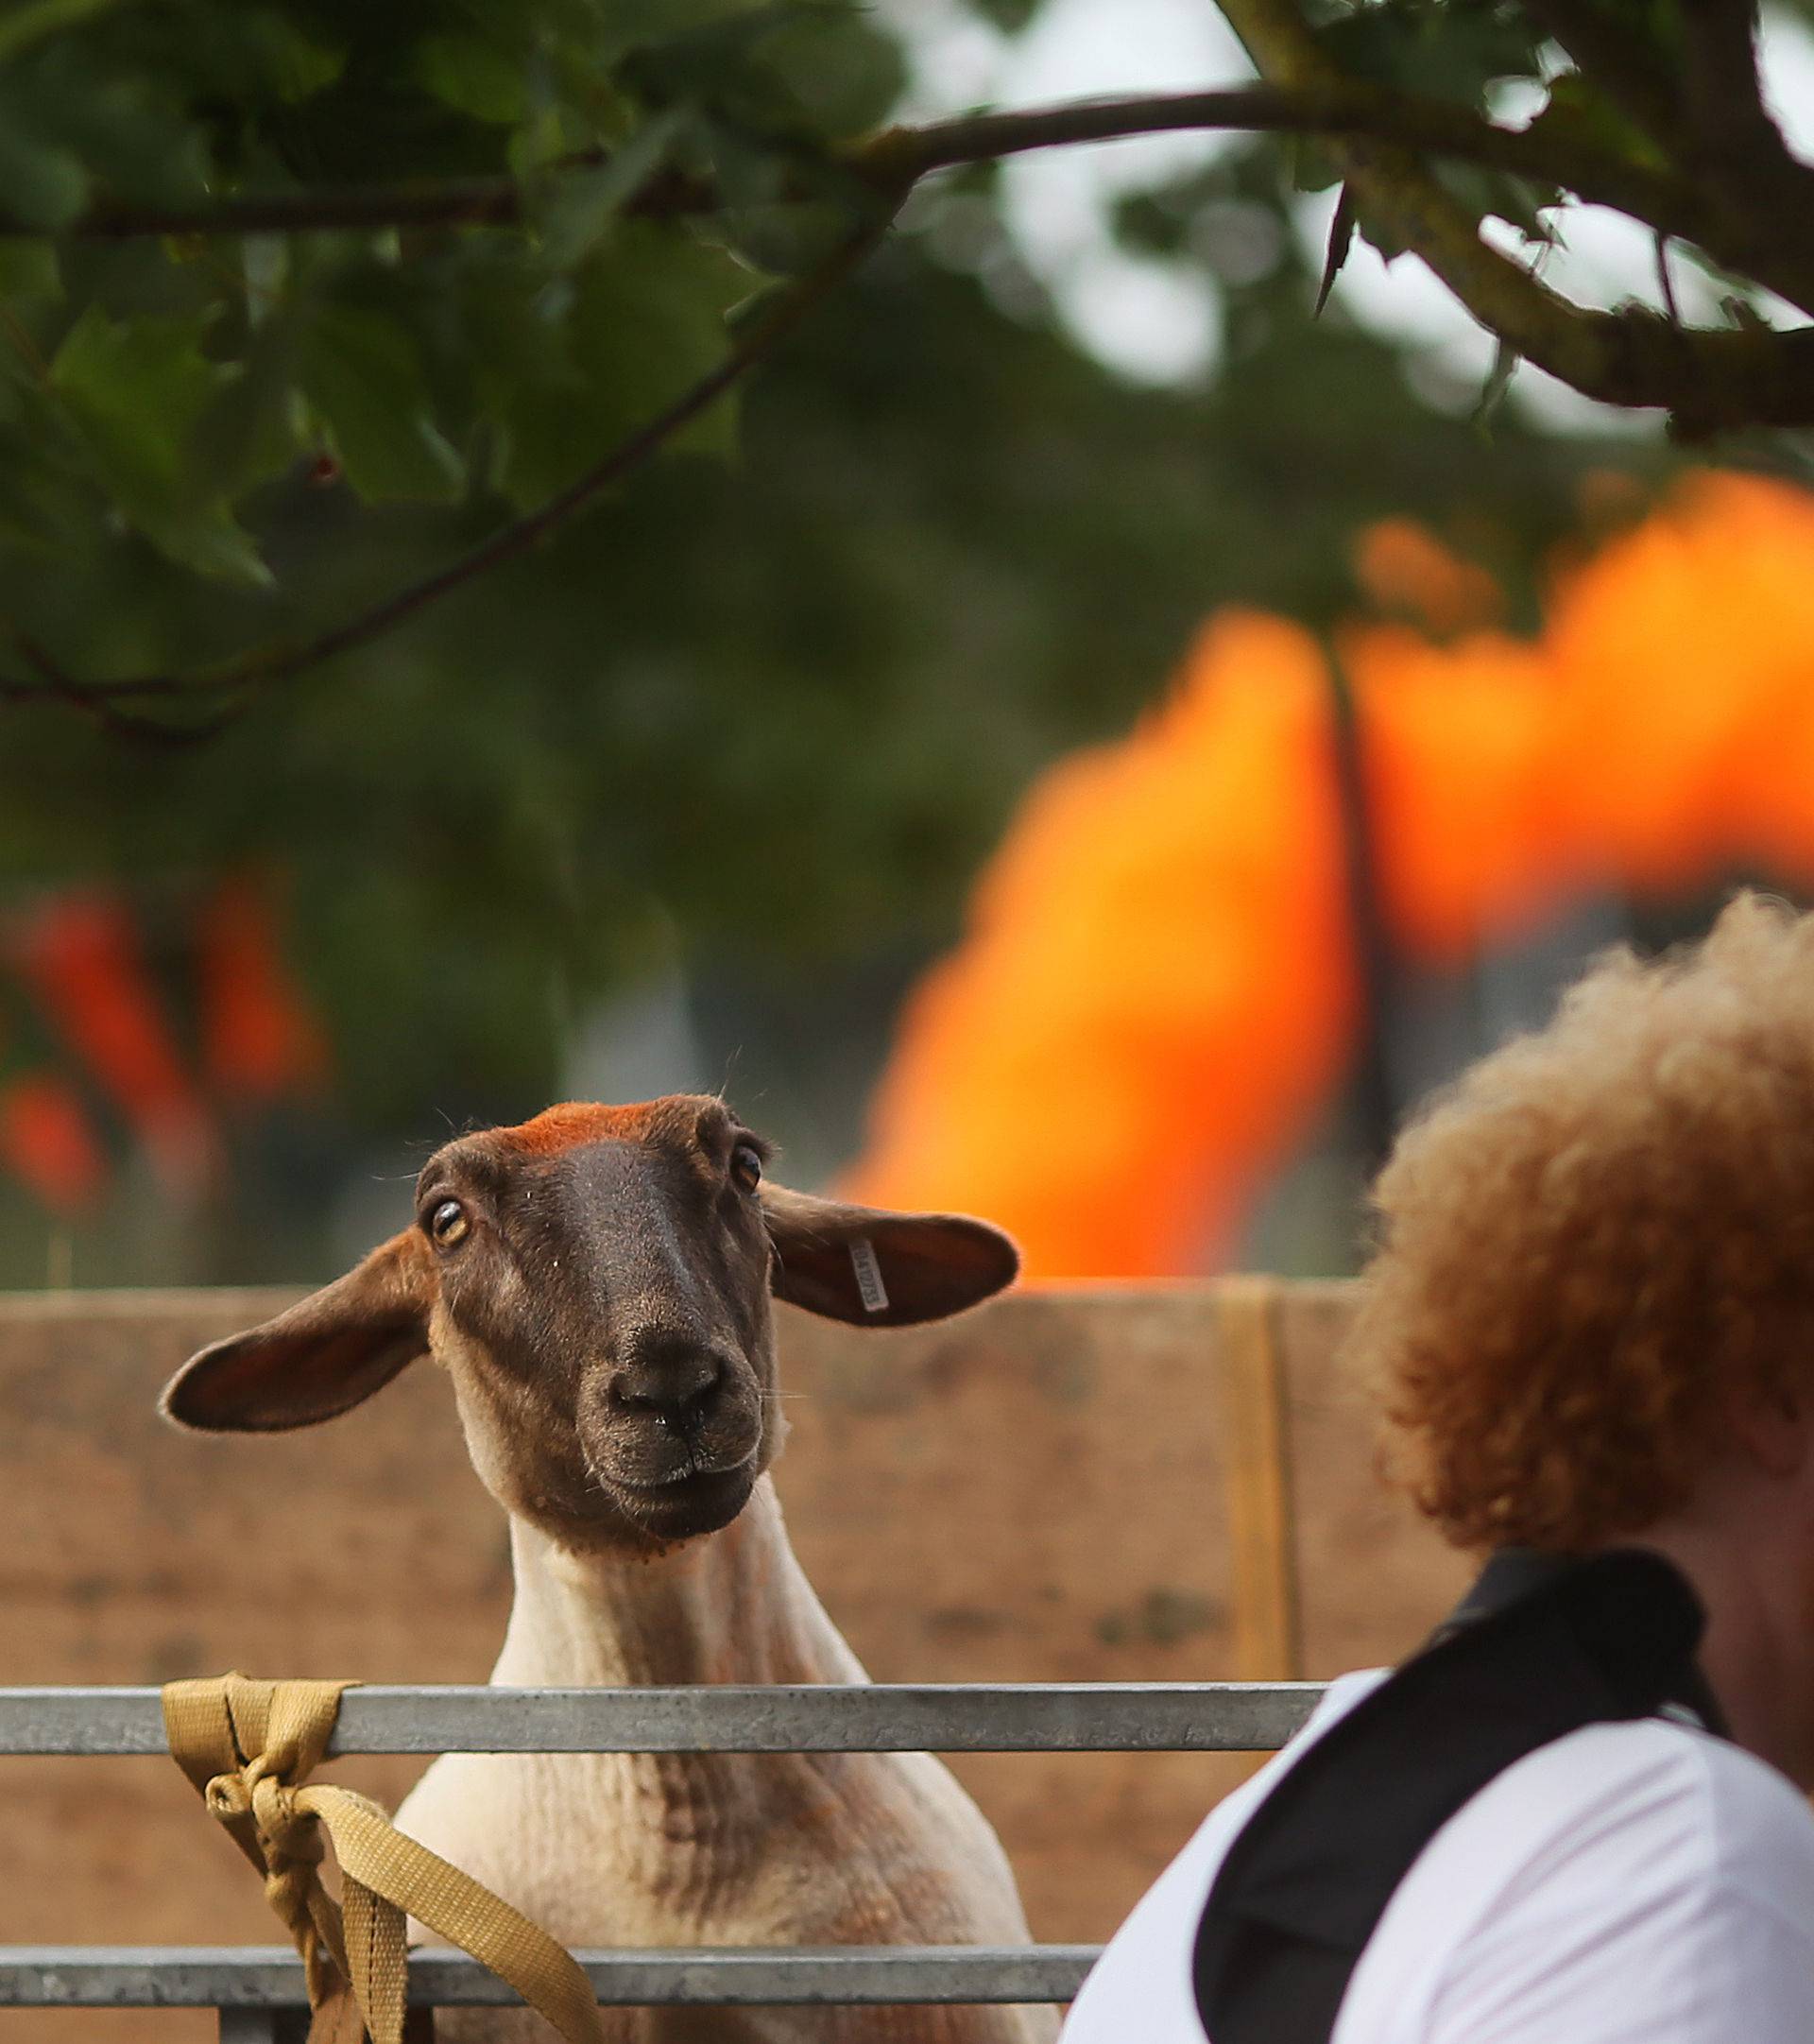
pixel 1596 1236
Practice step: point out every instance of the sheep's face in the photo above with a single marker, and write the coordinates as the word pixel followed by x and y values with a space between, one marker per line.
pixel 597 1283
pixel 602 1299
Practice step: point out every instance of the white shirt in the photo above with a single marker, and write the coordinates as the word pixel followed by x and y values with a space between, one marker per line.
pixel 1631 1883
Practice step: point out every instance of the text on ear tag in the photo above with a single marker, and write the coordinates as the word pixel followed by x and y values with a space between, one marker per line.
pixel 870 1289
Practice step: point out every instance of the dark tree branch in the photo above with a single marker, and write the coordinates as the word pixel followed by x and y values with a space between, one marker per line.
pixel 366 207
pixel 1630 358
pixel 54 685
pixel 1327 105
pixel 900 156
pixel 1316 100
pixel 221 686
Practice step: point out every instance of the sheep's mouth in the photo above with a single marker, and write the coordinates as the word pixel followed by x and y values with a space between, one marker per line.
pixel 690 1500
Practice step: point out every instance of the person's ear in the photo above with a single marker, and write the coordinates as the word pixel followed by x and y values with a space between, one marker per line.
pixel 327 1354
pixel 1773 1426
pixel 880 1269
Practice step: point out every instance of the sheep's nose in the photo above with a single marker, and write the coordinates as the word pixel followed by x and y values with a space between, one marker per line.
pixel 667 1377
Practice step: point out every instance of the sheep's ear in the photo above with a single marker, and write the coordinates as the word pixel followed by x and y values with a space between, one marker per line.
pixel 881 1269
pixel 322 1357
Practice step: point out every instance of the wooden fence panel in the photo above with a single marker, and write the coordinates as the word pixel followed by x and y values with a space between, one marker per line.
pixel 1038 1492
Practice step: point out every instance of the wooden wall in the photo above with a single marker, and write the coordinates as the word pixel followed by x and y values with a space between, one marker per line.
pixel 1040 1491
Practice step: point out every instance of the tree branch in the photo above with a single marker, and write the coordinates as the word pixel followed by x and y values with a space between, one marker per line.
pixel 1629 358
pixel 1740 235
pixel 1328 105
pixel 1316 100
pixel 221 686
pixel 54 685
pixel 364 208
pixel 901 156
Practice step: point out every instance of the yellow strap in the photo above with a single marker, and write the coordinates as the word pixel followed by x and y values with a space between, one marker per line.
pixel 249 1747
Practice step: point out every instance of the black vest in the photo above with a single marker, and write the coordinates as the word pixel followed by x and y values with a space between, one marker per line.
pixel 1537 1649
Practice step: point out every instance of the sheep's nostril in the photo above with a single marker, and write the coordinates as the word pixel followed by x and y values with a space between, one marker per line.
pixel 671 1388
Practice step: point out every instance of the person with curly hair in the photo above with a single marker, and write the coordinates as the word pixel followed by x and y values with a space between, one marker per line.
pixel 1577 1815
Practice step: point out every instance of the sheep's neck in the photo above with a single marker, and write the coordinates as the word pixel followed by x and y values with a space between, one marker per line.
pixel 734 1606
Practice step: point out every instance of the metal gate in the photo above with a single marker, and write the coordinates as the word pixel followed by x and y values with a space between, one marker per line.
pixel 258 1990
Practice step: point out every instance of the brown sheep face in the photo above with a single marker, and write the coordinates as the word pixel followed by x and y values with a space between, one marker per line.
pixel 597 1282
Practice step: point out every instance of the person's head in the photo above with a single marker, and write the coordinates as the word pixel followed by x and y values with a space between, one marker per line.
pixel 1592 1306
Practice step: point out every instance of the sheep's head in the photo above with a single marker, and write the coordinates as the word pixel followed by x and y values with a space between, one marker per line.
pixel 597 1283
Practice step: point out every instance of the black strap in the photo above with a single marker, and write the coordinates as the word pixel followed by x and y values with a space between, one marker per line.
pixel 1539 1648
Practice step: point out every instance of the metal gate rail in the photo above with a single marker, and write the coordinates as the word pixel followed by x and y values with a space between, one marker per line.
pixel 259 1990
pixel 882 1717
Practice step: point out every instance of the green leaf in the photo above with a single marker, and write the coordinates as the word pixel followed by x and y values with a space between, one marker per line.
pixel 548 134
pixel 1484 190
pixel 585 202
pixel 211 542
pixel 44 184
pixel 38 19
pixel 296 66
pixel 362 372
pixel 720 68
pixel 1151 225
pixel 253 431
pixel 651 321
pixel 69 121
pixel 45 505
pixel 787 240
pixel 135 391
pixel 473 76
pixel 636 23
pixel 1377 233
pixel 135 388
pixel 840 67
pixel 564 374
pixel 1579 110
pixel 1313 169
pixel 1011 15
pixel 28 270
pixel 1448 49
pixel 141 383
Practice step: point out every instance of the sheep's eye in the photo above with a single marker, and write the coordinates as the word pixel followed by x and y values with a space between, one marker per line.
pixel 745 1168
pixel 449 1224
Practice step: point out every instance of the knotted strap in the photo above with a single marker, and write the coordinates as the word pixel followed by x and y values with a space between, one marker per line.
pixel 249 1747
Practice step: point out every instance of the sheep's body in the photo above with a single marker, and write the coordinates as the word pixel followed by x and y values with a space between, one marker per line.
pixel 687 1849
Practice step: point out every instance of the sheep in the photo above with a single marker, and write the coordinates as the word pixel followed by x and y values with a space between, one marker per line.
pixel 597 1282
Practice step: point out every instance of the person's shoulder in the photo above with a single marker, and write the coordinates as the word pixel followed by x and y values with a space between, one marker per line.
pixel 1663 1767
pixel 1629 1875
pixel 1760 1826
pixel 1653 1806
